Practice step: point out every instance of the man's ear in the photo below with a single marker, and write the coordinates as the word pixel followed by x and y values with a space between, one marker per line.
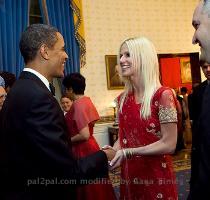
pixel 44 51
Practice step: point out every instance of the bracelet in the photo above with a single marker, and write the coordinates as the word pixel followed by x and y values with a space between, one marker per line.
pixel 128 153
pixel 124 153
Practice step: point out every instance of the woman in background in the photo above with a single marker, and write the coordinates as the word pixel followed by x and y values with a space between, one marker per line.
pixel 66 103
pixel 80 122
pixel 147 126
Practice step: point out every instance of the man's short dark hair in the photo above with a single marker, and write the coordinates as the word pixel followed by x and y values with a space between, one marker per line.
pixel 75 81
pixel 64 95
pixel 33 37
pixel 184 89
pixel 201 62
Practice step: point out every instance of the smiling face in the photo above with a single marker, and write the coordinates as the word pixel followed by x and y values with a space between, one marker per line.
pixel 66 104
pixel 57 58
pixel 201 23
pixel 126 64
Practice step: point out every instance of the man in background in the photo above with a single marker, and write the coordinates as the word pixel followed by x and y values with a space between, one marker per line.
pixel 200 161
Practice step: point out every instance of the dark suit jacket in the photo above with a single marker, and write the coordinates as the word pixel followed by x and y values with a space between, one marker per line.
pixel 35 156
pixel 200 161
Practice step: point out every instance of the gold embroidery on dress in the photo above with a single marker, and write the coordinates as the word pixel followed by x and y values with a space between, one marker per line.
pixel 152 125
pixel 152 129
pixel 158 134
pixel 167 114
pixel 156 103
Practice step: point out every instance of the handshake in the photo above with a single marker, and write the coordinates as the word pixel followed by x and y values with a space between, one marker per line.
pixel 114 157
pixel 109 151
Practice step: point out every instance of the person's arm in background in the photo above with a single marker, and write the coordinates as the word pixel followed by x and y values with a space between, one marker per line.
pixel 85 116
pixel 83 135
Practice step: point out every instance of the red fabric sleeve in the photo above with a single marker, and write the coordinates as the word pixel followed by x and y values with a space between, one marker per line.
pixel 85 112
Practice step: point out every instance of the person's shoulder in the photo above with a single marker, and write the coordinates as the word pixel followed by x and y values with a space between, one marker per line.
pixel 203 84
pixel 164 94
pixel 22 86
pixel 120 96
pixel 83 103
pixel 200 87
pixel 163 90
pixel 34 88
pixel 82 100
pixel 32 91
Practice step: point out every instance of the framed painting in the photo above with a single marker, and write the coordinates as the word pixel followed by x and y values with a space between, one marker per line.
pixel 113 79
pixel 179 69
pixel 185 67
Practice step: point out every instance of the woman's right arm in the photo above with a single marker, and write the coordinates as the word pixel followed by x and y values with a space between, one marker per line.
pixel 83 135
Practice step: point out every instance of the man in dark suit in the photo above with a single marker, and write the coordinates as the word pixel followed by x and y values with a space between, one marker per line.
pixel 200 161
pixel 35 153
pixel 197 167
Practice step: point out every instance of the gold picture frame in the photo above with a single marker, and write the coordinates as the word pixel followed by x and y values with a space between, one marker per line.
pixel 185 67
pixel 113 80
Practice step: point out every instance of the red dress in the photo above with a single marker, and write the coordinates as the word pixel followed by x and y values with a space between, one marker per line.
pixel 81 114
pixel 146 177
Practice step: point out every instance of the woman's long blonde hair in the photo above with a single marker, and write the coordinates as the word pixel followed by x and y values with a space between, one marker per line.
pixel 145 63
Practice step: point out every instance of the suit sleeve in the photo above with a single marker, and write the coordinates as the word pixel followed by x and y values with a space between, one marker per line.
pixel 46 133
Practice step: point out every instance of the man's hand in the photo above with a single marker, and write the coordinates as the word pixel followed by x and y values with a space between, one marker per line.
pixel 110 152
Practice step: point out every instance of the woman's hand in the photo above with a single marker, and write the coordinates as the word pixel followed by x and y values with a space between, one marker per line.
pixel 117 160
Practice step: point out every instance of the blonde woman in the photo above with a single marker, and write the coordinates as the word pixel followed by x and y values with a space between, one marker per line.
pixel 147 126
